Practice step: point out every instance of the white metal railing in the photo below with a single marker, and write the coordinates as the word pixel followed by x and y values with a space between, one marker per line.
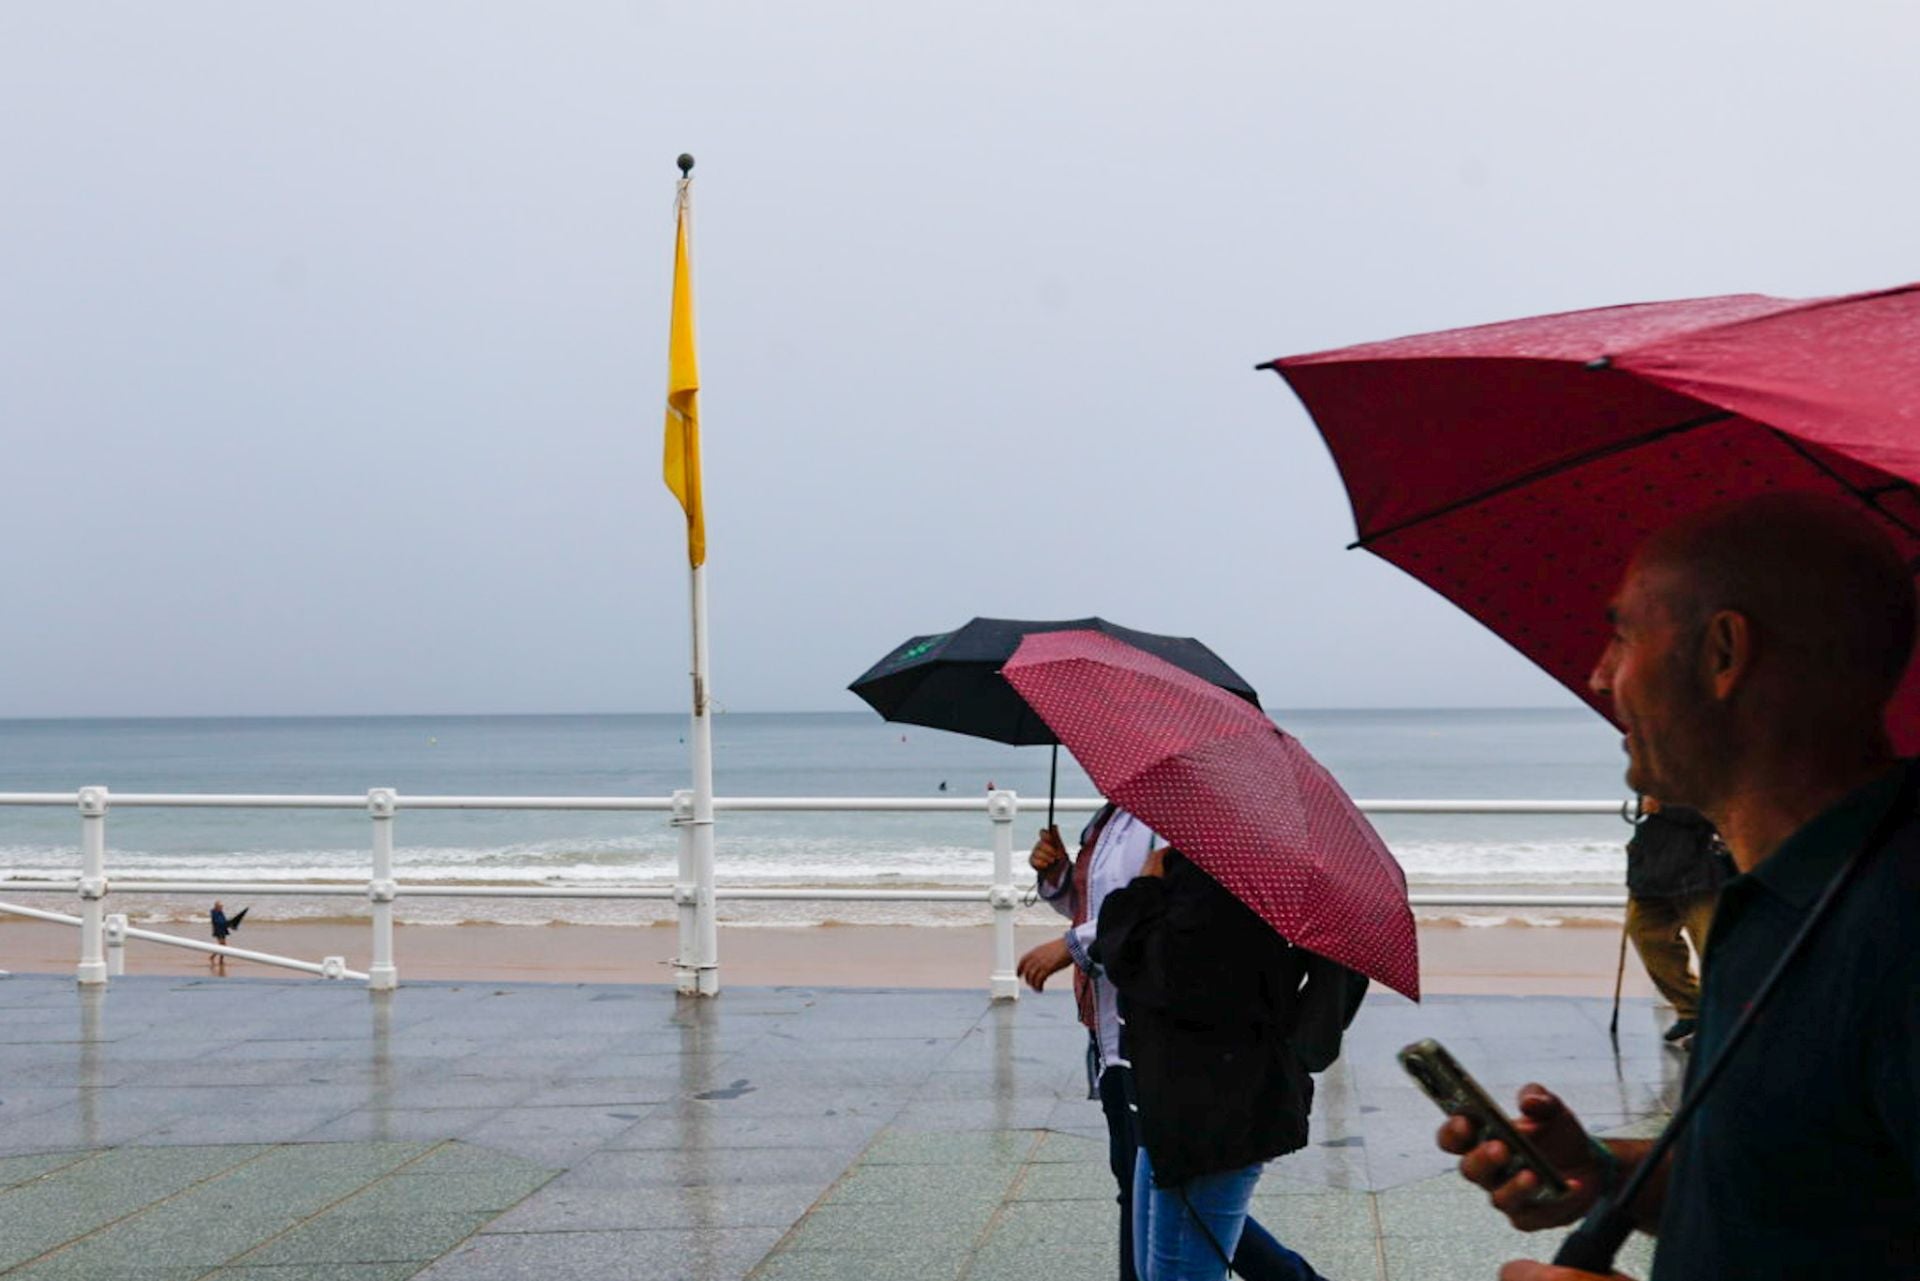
pixel 102 937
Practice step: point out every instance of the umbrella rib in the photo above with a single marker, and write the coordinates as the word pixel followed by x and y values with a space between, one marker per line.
pixel 1869 496
pixel 1543 473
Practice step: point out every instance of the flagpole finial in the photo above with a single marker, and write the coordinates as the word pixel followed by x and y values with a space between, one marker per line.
pixel 686 164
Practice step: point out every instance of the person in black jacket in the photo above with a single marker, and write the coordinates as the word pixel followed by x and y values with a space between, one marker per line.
pixel 1673 879
pixel 221 928
pixel 1223 1022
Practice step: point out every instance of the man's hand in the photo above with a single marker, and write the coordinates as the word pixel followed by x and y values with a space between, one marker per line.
pixel 1044 961
pixel 1559 1137
pixel 1528 1270
pixel 1156 864
pixel 1049 855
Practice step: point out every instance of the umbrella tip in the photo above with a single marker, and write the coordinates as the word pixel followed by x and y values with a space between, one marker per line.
pixel 686 164
pixel 1598 362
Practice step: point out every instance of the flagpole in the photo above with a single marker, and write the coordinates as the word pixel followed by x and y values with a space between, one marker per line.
pixel 697 965
pixel 699 973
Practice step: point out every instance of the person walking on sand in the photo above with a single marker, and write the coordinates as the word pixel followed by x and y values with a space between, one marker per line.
pixel 221 928
pixel 1673 877
pixel 1756 650
pixel 223 925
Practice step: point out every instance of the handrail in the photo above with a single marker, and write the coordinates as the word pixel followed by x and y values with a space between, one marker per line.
pixel 382 888
pixel 332 968
pixel 735 893
pixel 58 918
pixel 337 970
pixel 748 804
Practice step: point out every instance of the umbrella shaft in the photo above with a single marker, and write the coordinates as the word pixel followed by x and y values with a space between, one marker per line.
pixel 1053 783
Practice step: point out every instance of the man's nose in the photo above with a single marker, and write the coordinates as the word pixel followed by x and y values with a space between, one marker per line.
pixel 1600 679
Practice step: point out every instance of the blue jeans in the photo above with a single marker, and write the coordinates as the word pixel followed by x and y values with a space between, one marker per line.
pixel 1170 1245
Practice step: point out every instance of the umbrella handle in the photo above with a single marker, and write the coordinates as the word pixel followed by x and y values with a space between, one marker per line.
pixel 1053 783
pixel 1619 980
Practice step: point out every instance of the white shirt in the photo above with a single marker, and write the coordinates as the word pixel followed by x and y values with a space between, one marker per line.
pixel 1117 857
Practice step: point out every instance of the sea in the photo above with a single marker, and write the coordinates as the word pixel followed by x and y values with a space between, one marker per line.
pixel 1561 754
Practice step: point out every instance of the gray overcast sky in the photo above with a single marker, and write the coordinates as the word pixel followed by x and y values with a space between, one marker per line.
pixel 332 336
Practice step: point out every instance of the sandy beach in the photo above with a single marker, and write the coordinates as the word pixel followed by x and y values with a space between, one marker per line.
pixel 1566 960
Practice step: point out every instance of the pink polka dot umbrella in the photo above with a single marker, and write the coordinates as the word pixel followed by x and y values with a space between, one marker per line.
pixel 1231 791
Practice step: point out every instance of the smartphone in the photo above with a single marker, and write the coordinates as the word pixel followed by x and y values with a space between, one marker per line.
pixel 1451 1086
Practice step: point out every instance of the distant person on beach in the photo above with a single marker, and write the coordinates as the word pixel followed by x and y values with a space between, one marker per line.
pixel 1673 877
pixel 221 928
pixel 1755 651
pixel 223 925
pixel 1223 1020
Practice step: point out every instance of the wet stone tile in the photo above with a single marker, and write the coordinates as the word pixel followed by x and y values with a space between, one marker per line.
pixel 951 1147
pixel 462 1193
pixel 628 1209
pixel 716 1253
pixel 320 1272
pixel 369 1238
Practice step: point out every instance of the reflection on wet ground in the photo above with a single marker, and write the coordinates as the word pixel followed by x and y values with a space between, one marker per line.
pixel 167 1129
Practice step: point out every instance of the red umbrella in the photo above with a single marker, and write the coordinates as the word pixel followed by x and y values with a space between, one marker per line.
pixel 1513 468
pixel 1231 791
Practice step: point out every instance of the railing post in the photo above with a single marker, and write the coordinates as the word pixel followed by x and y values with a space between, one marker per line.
pixel 381 974
pixel 1002 807
pixel 93 886
pixel 116 944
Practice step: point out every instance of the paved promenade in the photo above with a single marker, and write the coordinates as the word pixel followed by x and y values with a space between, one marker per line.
pixel 263 1130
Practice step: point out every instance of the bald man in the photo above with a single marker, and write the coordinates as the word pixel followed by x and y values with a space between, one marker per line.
pixel 1755 649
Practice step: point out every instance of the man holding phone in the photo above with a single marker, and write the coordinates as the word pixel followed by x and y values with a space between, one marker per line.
pixel 1754 651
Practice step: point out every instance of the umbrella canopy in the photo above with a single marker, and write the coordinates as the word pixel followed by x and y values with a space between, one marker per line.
pixel 1515 467
pixel 951 680
pixel 1232 792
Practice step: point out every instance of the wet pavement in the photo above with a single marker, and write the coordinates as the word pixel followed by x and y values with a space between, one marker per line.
pixel 169 1129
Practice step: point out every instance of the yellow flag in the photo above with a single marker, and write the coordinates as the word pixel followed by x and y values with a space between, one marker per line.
pixel 683 393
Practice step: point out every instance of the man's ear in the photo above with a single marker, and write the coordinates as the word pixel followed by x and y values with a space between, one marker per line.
pixel 1727 652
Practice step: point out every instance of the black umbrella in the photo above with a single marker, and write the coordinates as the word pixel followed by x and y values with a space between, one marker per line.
pixel 951 680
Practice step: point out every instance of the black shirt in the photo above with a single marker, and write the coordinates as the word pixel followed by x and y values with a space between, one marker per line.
pixel 1804 1162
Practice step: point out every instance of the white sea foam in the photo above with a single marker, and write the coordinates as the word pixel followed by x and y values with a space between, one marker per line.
pixel 830 863
pixel 786 861
pixel 764 861
pixel 1547 862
